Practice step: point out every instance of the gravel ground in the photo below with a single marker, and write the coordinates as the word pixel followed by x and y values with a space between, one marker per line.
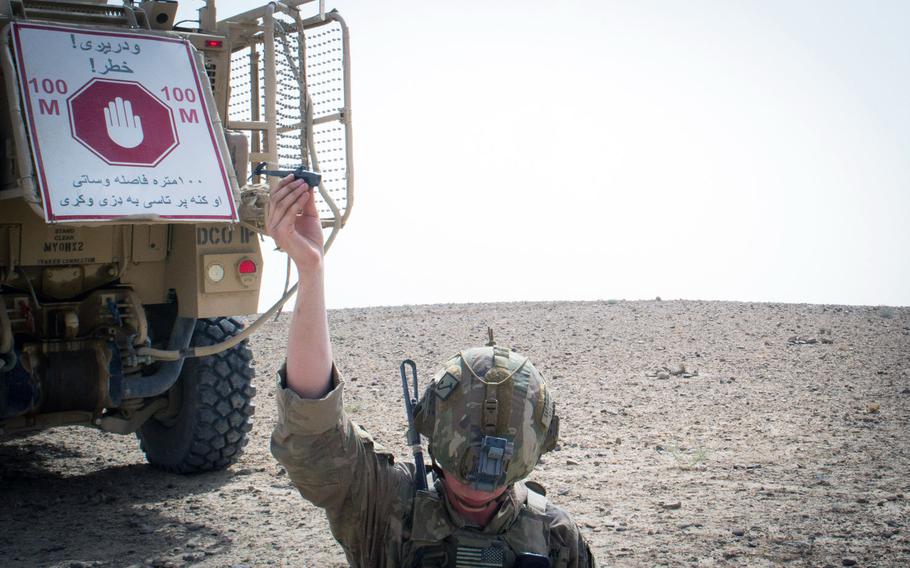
pixel 695 433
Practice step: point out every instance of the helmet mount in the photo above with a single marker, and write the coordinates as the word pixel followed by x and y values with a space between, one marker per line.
pixel 495 454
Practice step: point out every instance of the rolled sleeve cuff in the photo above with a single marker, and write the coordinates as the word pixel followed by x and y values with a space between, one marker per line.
pixel 309 415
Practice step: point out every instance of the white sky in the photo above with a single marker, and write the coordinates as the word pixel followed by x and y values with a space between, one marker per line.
pixel 582 150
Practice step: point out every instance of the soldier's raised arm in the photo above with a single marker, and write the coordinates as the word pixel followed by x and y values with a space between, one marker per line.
pixel 293 222
pixel 333 462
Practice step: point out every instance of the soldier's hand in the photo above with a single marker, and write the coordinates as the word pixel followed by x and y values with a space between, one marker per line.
pixel 293 222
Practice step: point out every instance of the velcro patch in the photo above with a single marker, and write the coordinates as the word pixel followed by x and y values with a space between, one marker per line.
pixel 446 385
pixel 469 556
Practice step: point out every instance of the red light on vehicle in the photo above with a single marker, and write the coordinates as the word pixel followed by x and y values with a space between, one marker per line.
pixel 246 266
pixel 213 43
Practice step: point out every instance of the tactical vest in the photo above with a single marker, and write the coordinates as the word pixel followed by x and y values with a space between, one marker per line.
pixel 436 543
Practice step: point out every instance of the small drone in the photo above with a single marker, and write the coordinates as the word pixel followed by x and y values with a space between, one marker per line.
pixel 312 179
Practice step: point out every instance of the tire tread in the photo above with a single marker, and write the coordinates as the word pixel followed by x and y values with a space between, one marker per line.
pixel 219 425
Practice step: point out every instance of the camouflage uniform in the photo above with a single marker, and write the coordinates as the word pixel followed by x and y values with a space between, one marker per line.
pixel 379 517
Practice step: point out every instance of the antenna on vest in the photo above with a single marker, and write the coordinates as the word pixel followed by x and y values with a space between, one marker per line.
pixel 492 341
pixel 413 436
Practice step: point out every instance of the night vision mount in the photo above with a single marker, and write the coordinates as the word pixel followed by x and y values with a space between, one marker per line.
pixel 495 454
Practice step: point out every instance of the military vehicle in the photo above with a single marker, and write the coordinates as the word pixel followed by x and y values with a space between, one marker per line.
pixel 129 218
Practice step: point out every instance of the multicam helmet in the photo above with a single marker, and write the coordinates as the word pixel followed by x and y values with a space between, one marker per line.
pixel 488 416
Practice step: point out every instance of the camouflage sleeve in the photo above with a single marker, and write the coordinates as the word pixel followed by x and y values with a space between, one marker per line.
pixel 568 547
pixel 335 464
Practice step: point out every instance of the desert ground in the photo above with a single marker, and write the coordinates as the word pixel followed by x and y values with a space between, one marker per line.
pixel 693 433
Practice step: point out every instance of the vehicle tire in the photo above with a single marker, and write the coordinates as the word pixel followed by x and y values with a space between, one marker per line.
pixel 215 404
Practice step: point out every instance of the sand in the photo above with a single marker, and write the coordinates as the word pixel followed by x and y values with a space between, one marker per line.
pixel 693 433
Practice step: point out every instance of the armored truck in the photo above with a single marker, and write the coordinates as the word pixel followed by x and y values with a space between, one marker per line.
pixel 131 208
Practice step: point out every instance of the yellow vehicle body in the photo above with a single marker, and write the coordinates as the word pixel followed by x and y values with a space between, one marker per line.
pixel 98 314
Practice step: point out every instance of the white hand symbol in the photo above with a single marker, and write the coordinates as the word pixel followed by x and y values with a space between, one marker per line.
pixel 124 128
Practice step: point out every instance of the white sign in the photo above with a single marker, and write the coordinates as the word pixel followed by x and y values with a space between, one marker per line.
pixel 119 126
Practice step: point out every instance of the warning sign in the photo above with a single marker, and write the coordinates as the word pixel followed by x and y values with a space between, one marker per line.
pixel 119 126
pixel 122 138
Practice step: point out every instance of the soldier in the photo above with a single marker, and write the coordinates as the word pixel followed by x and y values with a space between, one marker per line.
pixel 487 415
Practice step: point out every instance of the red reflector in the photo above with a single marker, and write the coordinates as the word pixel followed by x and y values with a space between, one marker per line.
pixel 246 266
pixel 213 43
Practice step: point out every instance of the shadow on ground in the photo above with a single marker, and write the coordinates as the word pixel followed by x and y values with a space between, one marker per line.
pixel 65 517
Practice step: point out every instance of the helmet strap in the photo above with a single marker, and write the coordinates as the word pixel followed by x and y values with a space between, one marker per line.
pixel 490 411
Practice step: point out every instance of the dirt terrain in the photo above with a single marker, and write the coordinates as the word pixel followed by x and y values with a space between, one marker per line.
pixel 693 433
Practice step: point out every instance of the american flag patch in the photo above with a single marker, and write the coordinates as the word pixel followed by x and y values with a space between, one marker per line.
pixel 472 556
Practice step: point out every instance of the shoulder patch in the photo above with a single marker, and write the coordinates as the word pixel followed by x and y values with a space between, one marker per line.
pixel 447 383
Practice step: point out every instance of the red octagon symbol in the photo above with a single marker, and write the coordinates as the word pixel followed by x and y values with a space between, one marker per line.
pixel 122 123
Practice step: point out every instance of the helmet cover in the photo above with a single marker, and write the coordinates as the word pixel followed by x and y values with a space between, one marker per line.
pixel 488 417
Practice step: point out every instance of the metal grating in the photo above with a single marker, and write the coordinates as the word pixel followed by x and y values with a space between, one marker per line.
pixel 242 82
pixel 325 75
pixel 324 72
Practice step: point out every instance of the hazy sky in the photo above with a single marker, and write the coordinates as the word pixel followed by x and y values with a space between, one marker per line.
pixel 590 150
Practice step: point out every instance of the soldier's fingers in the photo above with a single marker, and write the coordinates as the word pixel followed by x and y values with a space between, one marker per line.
pixel 301 202
pixel 285 203
pixel 277 200
pixel 309 204
pixel 285 181
pixel 287 222
pixel 280 227
pixel 285 185
pixel 289 195
pixel 282 193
